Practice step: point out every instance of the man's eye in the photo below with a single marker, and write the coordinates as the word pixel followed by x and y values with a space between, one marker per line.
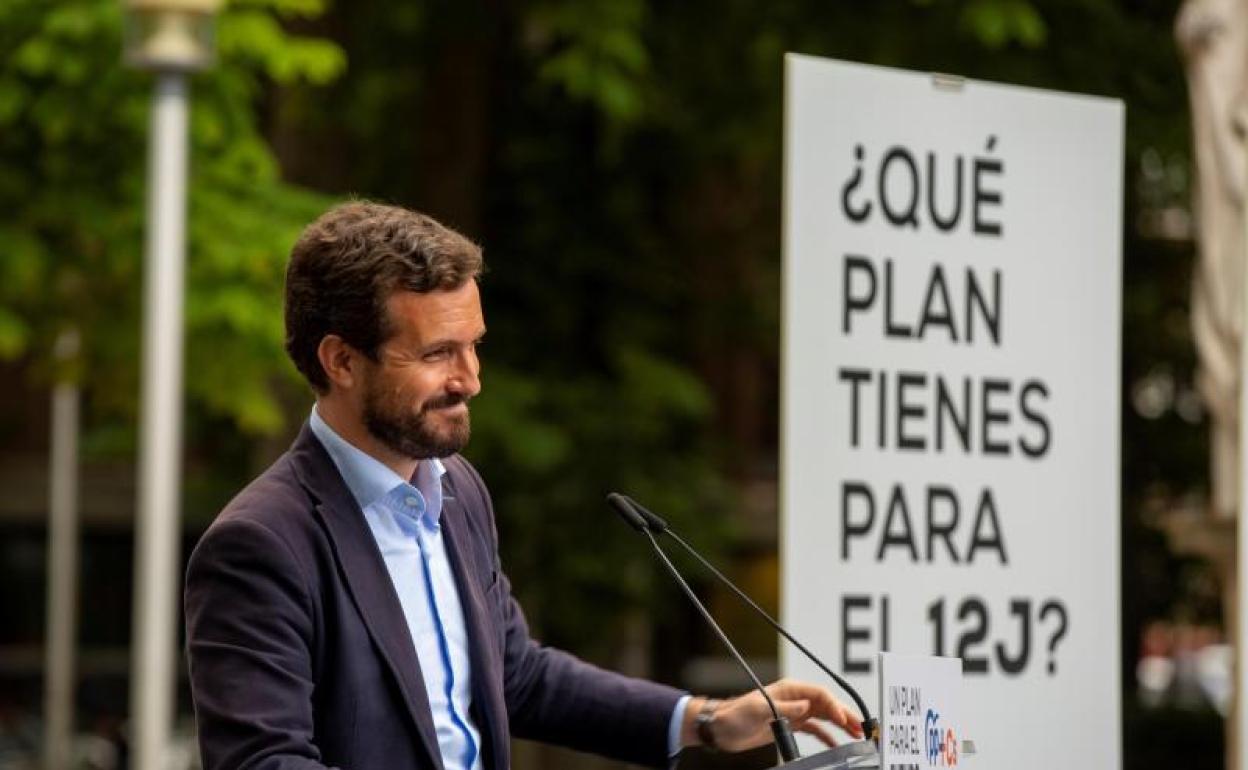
pixel 434 355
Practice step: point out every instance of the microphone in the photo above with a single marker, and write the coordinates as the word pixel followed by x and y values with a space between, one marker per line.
pixel 628 511
pixel 655 523
pixel 780 728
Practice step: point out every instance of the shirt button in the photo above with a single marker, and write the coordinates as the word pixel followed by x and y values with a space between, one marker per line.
pixel 412 501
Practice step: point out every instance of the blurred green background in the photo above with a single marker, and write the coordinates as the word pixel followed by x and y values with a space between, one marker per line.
pixel 620 161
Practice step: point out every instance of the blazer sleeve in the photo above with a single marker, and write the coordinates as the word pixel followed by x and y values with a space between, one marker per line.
pixel 249 627
pixel 555 697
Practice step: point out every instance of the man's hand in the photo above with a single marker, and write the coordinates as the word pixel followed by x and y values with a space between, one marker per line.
pixel 744 722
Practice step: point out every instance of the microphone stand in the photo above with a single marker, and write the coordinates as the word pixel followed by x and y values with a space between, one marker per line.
pixel 656 524
pixel 780 728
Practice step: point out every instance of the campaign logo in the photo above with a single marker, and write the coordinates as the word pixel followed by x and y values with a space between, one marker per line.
pixel 939 743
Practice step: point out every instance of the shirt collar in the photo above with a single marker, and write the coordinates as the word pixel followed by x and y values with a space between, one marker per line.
pixel 369 479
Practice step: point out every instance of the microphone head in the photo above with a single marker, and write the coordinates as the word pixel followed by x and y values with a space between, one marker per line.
pixel 624 507
pixel 653 521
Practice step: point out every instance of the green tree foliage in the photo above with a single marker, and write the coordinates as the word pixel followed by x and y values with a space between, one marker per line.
pixel 73 128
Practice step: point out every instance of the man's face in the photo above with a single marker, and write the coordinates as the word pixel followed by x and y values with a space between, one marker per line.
pixel 415 398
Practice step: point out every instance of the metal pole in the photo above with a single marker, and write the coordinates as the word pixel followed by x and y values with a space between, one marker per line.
pixel 158 529
pixel 1237 757
pixel 59 674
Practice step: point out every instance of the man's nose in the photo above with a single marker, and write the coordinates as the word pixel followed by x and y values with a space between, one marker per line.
pixel 467 376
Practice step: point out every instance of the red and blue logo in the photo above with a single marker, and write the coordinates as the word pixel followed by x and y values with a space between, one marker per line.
pixel 940 744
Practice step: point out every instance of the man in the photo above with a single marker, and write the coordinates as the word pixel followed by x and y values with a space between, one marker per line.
pixel 348 608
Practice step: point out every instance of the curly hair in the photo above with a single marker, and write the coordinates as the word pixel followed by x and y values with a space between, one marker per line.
pixel 348 262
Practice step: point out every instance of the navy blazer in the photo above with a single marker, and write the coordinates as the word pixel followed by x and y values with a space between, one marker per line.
pixel 300 656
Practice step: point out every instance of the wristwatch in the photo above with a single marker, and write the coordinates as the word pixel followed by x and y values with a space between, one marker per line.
pixel 702 723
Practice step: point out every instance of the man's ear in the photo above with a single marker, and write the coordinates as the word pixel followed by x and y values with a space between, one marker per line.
pixel 340 361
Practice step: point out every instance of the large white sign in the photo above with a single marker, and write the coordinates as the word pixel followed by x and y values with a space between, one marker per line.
pixel 951 396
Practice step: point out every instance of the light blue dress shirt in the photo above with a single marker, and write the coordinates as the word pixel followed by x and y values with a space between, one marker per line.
pixel 405 519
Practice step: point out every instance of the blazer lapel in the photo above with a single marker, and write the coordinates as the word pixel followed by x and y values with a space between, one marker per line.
pixel 368 582
pixel 483 655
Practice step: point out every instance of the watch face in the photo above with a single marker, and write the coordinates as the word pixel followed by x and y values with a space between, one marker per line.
pixel 702 723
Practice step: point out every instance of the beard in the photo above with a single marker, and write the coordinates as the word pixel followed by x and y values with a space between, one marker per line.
pixel 416 435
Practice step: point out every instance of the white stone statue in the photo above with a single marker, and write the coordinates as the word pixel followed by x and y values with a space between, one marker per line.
pixel 1213 37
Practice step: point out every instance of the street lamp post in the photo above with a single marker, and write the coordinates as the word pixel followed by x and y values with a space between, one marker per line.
pixel 171 38
pixel 59 678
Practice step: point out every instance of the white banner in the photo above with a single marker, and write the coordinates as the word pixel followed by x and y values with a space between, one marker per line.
pixel 951 396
